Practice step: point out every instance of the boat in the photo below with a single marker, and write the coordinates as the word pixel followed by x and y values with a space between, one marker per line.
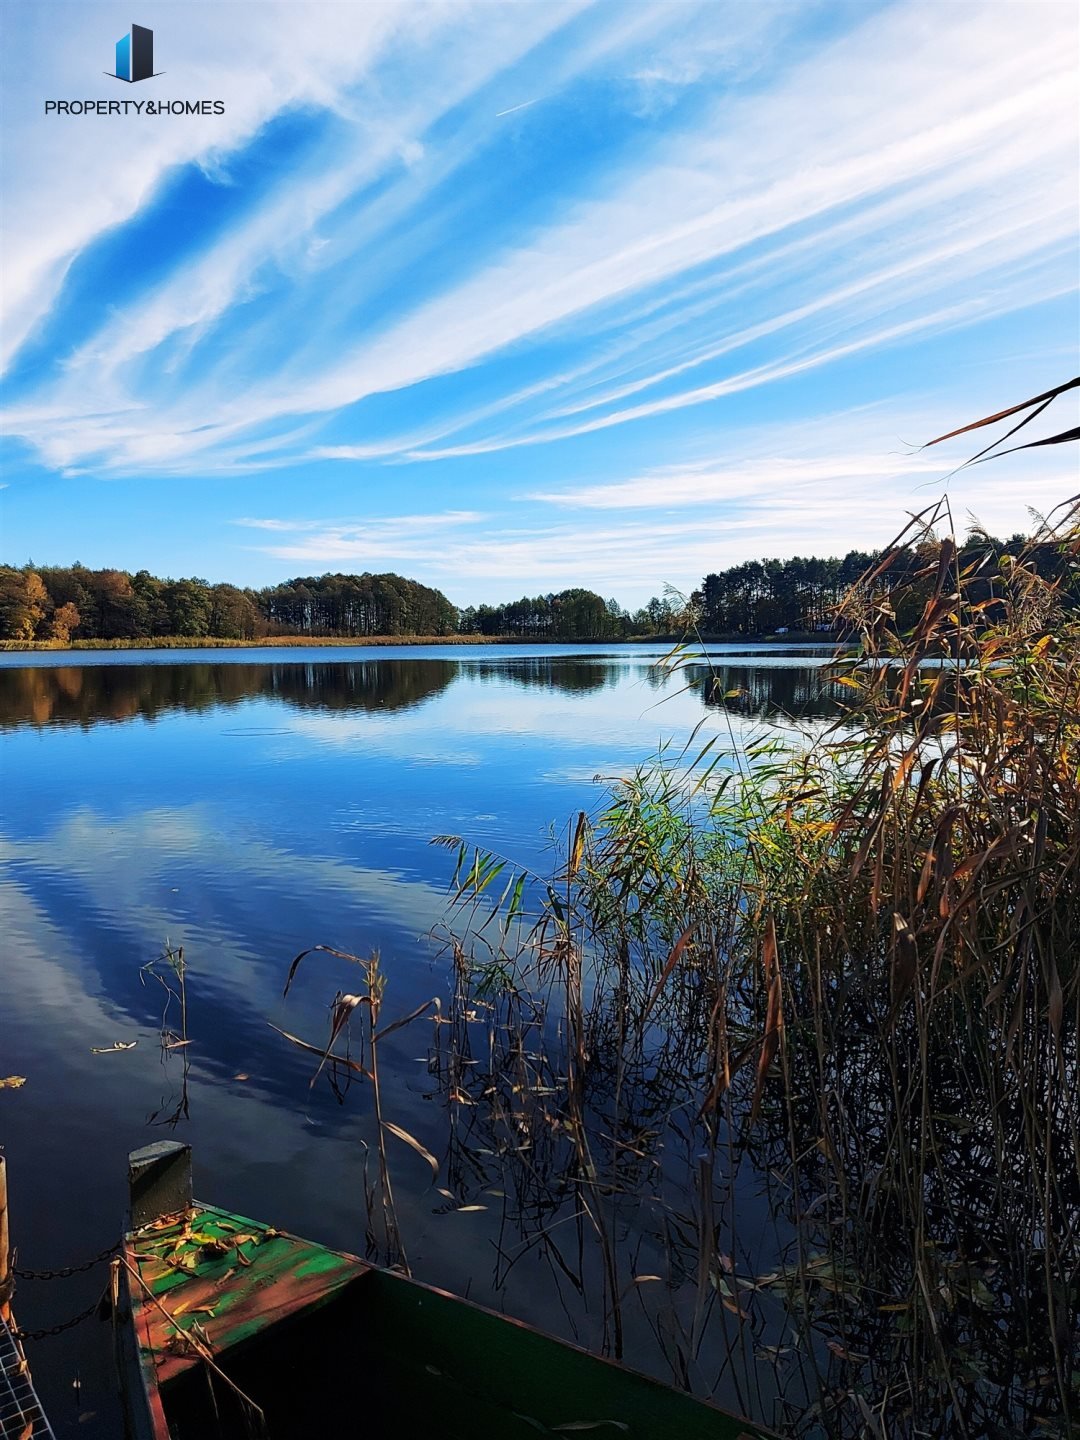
pixel 228 1327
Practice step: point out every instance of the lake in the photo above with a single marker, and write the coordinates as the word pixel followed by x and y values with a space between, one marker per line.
pixel 247 805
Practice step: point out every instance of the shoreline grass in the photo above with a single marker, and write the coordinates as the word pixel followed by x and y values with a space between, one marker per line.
pixel 319 642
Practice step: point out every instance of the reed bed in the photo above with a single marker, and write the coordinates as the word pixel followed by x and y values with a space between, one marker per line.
pixel 777 1073
pixel 839 974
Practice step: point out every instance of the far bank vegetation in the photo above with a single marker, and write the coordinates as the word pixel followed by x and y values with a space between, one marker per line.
pixel 58 606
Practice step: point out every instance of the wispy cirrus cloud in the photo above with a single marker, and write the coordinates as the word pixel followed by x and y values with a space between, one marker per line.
pixel 709 483
pixel 819 488
pixel 743 172
pixel 477 236
pixel 383 533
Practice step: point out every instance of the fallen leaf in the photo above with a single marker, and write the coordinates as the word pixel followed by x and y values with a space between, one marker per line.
pixel 592 1425
pixel 13 1082
pixel 211 1244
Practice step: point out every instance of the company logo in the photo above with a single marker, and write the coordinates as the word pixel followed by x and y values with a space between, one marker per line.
pixel 134 62
pixel 135 56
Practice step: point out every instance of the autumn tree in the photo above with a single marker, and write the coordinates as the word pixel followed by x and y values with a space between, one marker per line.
pixel 65 619
pixel 23 602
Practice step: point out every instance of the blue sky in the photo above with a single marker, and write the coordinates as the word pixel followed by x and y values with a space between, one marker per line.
pixel 512 296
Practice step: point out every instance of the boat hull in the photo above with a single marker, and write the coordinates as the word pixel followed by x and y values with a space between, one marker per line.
pixel 317 1339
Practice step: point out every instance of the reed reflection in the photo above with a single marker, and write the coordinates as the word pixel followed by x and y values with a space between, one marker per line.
pixel 798 691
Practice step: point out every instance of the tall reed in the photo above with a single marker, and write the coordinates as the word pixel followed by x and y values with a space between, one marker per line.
pixel 846 966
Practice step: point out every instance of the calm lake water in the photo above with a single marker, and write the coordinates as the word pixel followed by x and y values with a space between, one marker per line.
pixel 247 805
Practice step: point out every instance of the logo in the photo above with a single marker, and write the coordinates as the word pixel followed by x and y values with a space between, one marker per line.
pixel 135 56
pixel 134 62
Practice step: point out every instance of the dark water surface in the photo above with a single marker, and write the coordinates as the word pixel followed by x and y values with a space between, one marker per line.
pixel 246 805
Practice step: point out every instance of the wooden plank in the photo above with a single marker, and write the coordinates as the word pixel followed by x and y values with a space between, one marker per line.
pixel 231 1276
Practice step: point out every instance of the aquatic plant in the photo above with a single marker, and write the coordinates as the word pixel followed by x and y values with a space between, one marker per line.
pixel 835 969
pixel 842 970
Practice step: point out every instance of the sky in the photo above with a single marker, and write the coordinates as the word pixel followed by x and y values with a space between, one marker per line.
pixel 511 296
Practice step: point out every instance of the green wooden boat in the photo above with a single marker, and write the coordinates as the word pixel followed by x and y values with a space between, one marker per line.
pixel 228 1327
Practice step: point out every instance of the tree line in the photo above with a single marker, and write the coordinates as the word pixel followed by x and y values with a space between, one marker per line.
pixel 757 597
pixel 64 603
pixel 761 597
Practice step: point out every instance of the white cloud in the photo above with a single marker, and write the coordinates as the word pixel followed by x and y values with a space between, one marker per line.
pixel 706 484
pixel 813 190
pixel 102 170
pixel 820 487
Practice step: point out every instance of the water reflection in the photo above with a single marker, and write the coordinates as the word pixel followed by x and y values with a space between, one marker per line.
pixel 799 691
pixel 87 695
pixel 245 841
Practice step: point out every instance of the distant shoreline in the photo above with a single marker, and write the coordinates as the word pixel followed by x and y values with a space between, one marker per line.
pixel 321 642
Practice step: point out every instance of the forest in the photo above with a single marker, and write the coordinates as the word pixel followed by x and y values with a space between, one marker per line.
pixel 59 605
pixel 73 603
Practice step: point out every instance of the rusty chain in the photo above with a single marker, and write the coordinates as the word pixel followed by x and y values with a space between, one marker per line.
pixel 66 1271
pixel 48 1330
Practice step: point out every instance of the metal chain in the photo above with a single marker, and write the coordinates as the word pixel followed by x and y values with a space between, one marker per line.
pixel 68 1270
pixel 22 1335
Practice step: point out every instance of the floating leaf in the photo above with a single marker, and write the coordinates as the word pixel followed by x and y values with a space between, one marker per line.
pixel 592 1425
